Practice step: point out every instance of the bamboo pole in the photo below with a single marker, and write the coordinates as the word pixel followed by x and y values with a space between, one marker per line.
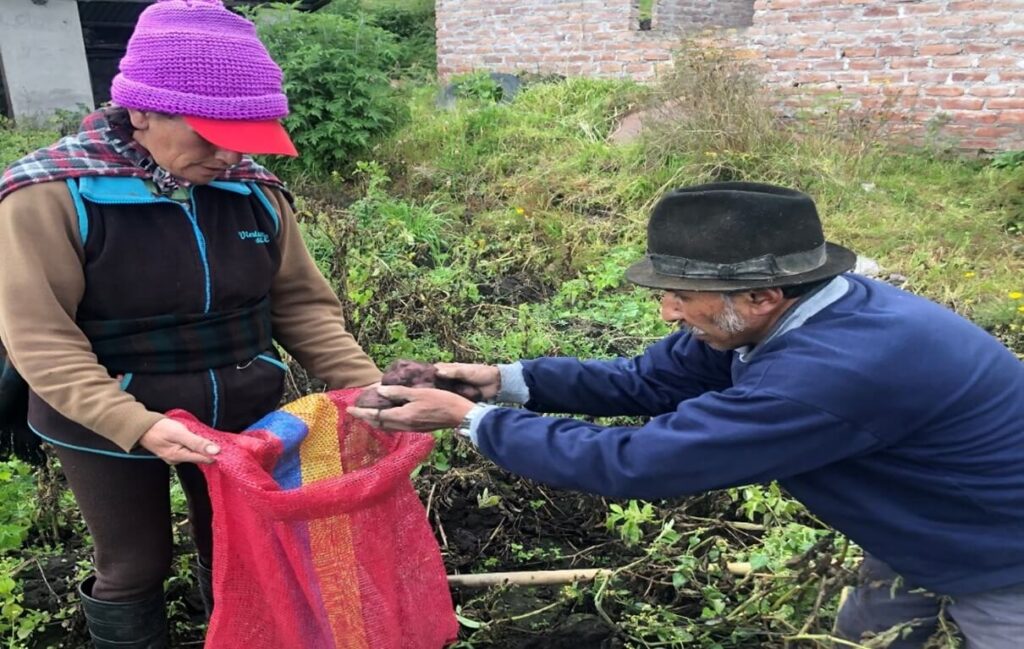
pixel 553 577
pixel 528 578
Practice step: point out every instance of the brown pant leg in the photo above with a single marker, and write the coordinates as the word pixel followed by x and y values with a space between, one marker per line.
pixel 127 507
pixel 200 511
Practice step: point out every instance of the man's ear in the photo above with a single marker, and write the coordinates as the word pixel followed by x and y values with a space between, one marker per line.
pixel 139 119
pixel 764 300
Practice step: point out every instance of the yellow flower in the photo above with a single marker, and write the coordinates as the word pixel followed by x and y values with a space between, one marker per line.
pixel 1020 309
pixel 520 211
pixel 970 274
pixel 1015 295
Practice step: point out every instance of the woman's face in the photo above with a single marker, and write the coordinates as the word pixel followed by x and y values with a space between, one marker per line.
pixel 179 149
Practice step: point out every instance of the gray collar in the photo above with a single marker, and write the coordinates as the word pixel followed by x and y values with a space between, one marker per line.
pixel 805 308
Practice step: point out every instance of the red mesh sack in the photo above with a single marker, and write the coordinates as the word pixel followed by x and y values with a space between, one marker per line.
pixel 320 540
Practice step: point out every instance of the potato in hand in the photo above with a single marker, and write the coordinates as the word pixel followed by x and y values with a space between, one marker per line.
pixel 413 374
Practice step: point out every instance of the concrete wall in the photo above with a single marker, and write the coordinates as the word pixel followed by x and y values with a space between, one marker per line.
pixel 43 58
pixel 949 66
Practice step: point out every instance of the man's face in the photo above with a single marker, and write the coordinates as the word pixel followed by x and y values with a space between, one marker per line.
pixel 179 149
pixel 712 318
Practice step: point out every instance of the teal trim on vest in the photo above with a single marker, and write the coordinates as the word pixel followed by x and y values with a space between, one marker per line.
pixel 86 449
pixel 268 205
pixel 83 216
pixel 126 380
pixel 215 389
pixel 117 190
pixel 266 358
pixel 232 186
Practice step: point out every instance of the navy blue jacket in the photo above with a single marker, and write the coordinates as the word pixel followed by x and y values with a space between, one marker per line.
pixel 892 418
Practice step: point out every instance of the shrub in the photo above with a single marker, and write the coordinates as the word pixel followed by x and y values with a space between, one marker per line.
pixel 336 78
pixel 16 142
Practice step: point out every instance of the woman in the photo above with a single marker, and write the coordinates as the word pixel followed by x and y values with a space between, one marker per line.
pixel 145 265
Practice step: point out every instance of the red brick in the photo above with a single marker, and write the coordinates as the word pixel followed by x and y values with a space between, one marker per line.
pixel 944 91
pixel 990 91
pixel 983 48
pixel 867 64
pixel 994 131
pixel 938 50
pixel 1011 117
pixel 922 9
pixel 972 116
pixel 960 77
pixel 950 62
pixel 874 12
pixel 1012 103
pixel 896 50
pixel 906 63
pixel 998 62
pixel 931 77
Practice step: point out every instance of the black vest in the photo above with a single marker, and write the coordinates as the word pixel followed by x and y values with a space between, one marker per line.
pixel 148 258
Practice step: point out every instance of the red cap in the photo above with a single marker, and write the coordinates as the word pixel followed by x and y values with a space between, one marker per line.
pixel 245 136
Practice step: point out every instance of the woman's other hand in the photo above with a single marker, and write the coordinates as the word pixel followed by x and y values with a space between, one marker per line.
pixel 174 443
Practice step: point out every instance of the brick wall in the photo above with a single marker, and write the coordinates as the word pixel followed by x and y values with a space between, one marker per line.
pixel 689 15
pixel 954 64
pixel 954 67
pixel 584 37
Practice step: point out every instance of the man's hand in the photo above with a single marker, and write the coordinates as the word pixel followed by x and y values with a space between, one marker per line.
pixel 427 409
pixel 486 378
pixel 173 443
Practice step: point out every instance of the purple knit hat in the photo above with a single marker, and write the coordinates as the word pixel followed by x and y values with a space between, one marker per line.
pixel 195 57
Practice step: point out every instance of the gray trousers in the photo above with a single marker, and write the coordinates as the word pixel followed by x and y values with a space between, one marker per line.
pixel 988 620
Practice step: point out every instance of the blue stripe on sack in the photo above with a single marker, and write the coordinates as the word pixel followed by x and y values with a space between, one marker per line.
pixel 83 216
pixel 216 399
pixel 273 361
pixel 291 431
pixel 267 204
pixel 73 447
pixel 126 380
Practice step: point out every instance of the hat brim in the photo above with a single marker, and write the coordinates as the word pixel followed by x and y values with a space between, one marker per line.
pixel 245 136
pixel 838 260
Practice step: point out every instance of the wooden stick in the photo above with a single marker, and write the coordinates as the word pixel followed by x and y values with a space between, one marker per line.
pixel 552 577
pixel 528 578
pixel 738 568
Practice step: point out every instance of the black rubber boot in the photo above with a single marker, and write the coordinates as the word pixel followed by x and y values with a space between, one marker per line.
pixel 141 624
pixel 204 576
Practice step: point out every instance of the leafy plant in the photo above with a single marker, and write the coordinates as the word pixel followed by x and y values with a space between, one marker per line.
pixel 628 521
pixel 18 510
pixel 336 78
pixel 1008 160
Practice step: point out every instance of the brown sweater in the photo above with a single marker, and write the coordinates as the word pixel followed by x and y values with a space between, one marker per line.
pixel 41 285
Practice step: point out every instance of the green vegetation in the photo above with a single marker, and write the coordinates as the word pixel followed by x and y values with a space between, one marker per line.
pixel 492 231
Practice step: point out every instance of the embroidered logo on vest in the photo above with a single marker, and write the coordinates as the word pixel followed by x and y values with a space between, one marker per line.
pixel 256 236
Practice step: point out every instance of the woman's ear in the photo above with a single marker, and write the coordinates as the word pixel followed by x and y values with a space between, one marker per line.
pixel 139 119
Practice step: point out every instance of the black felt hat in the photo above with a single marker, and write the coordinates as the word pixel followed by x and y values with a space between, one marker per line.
pixel 734 236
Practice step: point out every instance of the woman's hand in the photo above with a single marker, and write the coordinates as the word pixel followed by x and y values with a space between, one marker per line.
pixel 485 378
pixel 427 409
pixel 174 443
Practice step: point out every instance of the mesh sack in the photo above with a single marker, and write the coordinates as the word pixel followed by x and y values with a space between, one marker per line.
pixel 320 540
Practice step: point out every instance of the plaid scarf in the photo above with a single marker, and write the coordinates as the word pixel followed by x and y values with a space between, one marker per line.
pixel 105 147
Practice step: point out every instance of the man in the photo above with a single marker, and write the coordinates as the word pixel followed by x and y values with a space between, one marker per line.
pixel 893 419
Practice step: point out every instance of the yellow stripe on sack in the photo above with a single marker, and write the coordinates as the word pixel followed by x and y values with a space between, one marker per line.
pixel 330 538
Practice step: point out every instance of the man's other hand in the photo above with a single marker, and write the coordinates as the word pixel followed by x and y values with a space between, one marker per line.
pixel 427 409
